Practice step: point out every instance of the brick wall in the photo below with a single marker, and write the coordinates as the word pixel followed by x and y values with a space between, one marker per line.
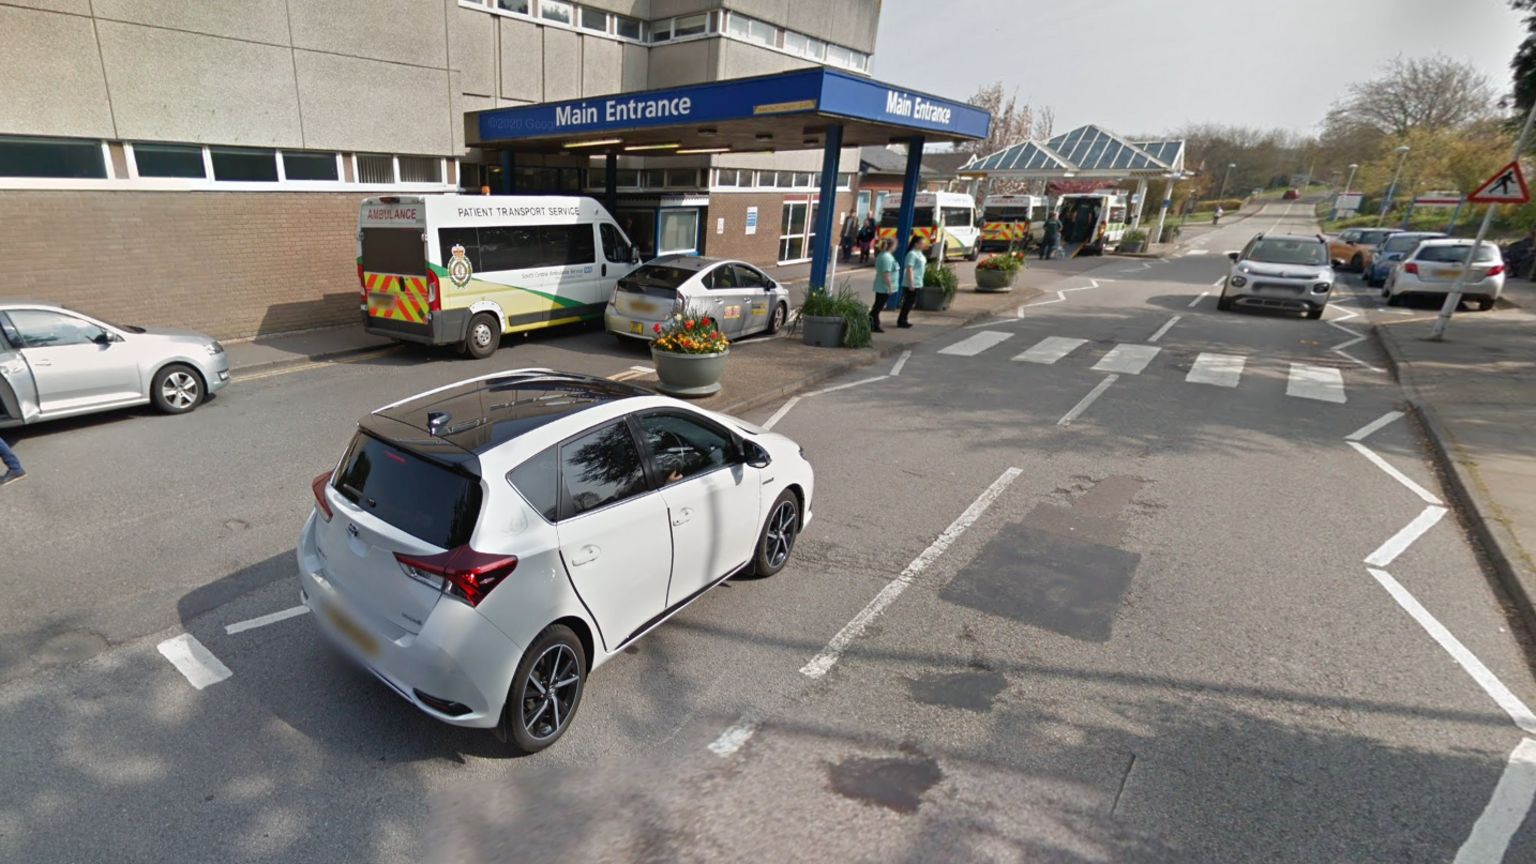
pixel 229 264
pixel 761 248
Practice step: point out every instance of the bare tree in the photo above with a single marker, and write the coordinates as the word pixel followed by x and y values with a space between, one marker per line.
pixel 1424 92
pixel 1012 123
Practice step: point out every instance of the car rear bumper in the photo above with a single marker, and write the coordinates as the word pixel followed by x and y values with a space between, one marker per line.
pixel 444 327
pixel 1490 288
pixel 457 669
pixel 634 327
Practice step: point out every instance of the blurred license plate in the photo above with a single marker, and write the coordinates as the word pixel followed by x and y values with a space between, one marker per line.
pixel 642 305
pixel 1448 272
pixel 636 328
pixel 349 628
pixel 381 301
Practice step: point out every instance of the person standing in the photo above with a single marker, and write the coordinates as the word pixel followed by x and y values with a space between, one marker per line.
pixel 1051 237
pixel 885 282
pixel 914 268
pixel 13 469
pixel 1216 216
pixel 850 231
pixel 866 238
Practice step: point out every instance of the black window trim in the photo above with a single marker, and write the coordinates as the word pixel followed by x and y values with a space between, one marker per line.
pixel 645 466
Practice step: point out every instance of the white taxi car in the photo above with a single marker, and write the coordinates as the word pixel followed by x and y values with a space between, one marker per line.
pixel 742 298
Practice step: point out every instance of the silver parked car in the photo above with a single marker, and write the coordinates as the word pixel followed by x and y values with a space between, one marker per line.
pixel 56 362
pixel 744 299
pixel 1434 266
pixel 1280 271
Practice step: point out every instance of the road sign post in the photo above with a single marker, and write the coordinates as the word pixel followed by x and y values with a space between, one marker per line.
pixel 1507 186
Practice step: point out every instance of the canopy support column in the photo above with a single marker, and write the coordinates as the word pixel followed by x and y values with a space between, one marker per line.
pixel 908 199
pixel 507 186
pixel 827 233
pixel 1162 212
pixel 1141 198
pixel 611 184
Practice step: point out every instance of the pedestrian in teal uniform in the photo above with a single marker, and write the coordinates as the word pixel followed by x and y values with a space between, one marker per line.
pixel 885 282
pixel 913 271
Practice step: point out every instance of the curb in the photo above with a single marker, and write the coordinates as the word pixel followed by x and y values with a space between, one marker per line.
pixel 1482 520
pixel 301 359
pixel 859 361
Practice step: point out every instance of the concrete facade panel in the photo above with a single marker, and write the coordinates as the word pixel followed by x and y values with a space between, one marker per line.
pixel 73 7
pixel 253 20
pixel 474 51
pixel 522 66
pixel 353 104
pixel 683 63
pixel 635 74
pixel 601 66
pixel 397 31
pixel 633 8
pixel 668 8
pixel 52 74
pixel 741 60
pixel 172 86
pixel 562 65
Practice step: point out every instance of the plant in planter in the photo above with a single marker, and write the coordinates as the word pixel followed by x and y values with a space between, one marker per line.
pixel 829 320
pixel 997 272
pixel 690 352
pixel 939 286
pixel 1134 240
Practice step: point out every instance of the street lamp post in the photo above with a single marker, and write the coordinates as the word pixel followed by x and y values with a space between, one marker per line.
pixel 1402 156
pixel 1224 176
pixel 1334 213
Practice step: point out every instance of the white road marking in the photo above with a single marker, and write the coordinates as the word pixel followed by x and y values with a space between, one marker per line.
pixel 1221 370
pixel 822 662
pixel 734 738
pixel 646 369
pixel 1218 282
pixel 1196 251
pixel 264 620
pixel 1355 340
pixel 1393 472
pixel 1323 383
pixel 1203 295
pixel 1050 349
pixel 1126 359
pixel 1080 407
pixel 901 363
pixel 970 346
pixel 1061 295
pixel 779 414
pixel 1510 802
pixel 1484 677
pixel 196 663
pixel 1387 552
pixel 838 387
pixel 1164 329
pixel 1374 426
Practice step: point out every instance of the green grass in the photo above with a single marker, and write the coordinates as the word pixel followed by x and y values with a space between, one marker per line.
pixel 1510 224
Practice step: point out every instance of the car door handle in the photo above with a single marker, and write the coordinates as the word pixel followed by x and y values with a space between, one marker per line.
pixel 585 555
pixel 682 517
pixel 605 269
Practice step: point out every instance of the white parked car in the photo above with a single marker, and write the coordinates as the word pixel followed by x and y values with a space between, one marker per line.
pixel 483 546
pixel 1434 266
pixel 56 362
pixel 742 298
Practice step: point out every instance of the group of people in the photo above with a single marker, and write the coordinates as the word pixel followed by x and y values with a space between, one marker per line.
pixel 891 277
pixel 858 235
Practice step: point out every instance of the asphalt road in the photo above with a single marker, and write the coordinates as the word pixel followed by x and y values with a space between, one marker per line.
pixel 1146 634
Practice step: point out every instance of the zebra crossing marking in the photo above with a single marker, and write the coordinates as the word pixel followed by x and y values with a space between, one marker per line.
pixel 1050 349
pixel 1323 383
pixel 1126 359
pixel 970 346
pixel 1220 370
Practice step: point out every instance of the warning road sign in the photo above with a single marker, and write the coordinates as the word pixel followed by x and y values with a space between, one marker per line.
pixel 1507 186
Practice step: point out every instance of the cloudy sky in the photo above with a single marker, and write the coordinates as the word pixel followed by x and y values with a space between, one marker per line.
pixel 1152 66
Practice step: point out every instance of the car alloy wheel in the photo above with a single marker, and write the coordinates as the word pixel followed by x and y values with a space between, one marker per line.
pixel 181 390
pixel 780 540
pixel 550 693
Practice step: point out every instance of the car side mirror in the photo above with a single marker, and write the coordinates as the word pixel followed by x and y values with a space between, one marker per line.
pixel 103 338
pixel 634 255
pixel 1234 255
pixel 1336 262
pixel 754 455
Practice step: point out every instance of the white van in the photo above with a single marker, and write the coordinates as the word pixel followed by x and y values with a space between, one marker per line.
pixel 1010 220
pixel 947 219
pixel 464 269
pixel 1091 221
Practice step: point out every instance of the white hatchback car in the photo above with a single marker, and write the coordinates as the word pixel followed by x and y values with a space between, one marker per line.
pixel 1434 266
pixel 483 546
pixel 744 299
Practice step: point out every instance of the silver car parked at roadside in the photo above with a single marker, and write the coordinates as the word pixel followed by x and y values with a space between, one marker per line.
pixel 56 362
pixel 742 298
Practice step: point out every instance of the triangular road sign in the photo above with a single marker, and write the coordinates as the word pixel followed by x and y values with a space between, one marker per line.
pixel 1506 186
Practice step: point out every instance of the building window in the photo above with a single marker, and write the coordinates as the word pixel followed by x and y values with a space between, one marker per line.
pixel 690 25
pixel 679 231
pixel 595 20
pixel 845 181
pixel 169 160
pixel 629 28
pixel 627 179
pixel 243 165
pixel 40 157
pixel 421 169
pixel 837 55
pixel 375 168
pixel 557 11
pixel 518 6
pixel 794 42
pixel 682 177
pixel 307 166
pixel 727 177
pixel 752 30
pixel 804 180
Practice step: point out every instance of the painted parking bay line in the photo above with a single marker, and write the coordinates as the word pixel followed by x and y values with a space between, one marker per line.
pixel 1050 349
pixel 1323 383
pixel 970 346
pixel 1126 359
pixel 264 620
pixel 1220 370
pixel 196 663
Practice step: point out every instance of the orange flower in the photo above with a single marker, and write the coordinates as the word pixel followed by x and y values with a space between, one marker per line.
pixel 688 324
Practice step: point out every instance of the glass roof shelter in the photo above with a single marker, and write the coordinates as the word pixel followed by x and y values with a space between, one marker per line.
pixel 798 110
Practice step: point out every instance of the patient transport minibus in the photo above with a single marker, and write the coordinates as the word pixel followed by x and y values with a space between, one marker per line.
pixel 947 219
pixel 1009 221
pixel 464 269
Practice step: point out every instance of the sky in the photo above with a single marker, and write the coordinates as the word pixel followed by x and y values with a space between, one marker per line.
pixel 1155 66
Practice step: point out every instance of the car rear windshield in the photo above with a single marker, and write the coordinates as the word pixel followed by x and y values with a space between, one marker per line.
pixel 658 279
pixel 1456 253
pixel 430 502
pixel 1276 251
pixel 1005 214
pixel 394 250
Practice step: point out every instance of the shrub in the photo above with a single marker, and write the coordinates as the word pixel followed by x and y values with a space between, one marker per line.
pixel 1006 263
pixel 1133 236
pixel 942 276
pixel 844 304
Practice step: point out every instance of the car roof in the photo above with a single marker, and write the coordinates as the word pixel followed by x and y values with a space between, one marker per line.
pixel 1309 238
pixel 690 262
pixel 480 414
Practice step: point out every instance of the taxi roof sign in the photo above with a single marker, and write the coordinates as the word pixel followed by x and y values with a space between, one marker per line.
pixel 1506 186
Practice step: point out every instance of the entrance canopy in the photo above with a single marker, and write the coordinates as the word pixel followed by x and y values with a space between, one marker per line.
pixel 788 111
pixel 1087 153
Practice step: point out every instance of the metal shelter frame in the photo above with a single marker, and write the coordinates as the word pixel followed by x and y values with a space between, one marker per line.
pixel 803 109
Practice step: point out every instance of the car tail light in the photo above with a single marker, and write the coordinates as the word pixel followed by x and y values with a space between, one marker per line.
pixel 1411 267
pixel 1495 269
pixel 362 286
pixel 613 298
pixel 317 486
pixel 434 292
pixel 471 575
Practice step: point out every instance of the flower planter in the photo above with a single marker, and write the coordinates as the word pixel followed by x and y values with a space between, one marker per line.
pixel 1133 247
pixel 932 300
pixel 689 376
pixel 995 280
pixel 823 331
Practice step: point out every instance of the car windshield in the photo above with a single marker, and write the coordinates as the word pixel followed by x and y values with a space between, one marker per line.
pixel 658 279
pixel 1457 253
pixel 921 217
pixel 1273 250
pixel 1404 242
pixel 1372 238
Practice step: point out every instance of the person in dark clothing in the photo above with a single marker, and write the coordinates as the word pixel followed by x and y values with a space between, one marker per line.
pixel 1052 236
pixel 13 469
pixel 850 231
pixel 912 272
pixel 866 239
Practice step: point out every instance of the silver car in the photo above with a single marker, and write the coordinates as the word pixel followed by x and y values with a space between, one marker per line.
pixel 744 299
pixel 56 362
pixel 1280 271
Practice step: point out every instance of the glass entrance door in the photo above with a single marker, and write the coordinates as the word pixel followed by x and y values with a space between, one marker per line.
pixel 797 231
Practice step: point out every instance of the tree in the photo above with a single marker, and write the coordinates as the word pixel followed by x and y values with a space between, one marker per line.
pixel 1524 64
pixel 1435 92
pixel 1011 123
